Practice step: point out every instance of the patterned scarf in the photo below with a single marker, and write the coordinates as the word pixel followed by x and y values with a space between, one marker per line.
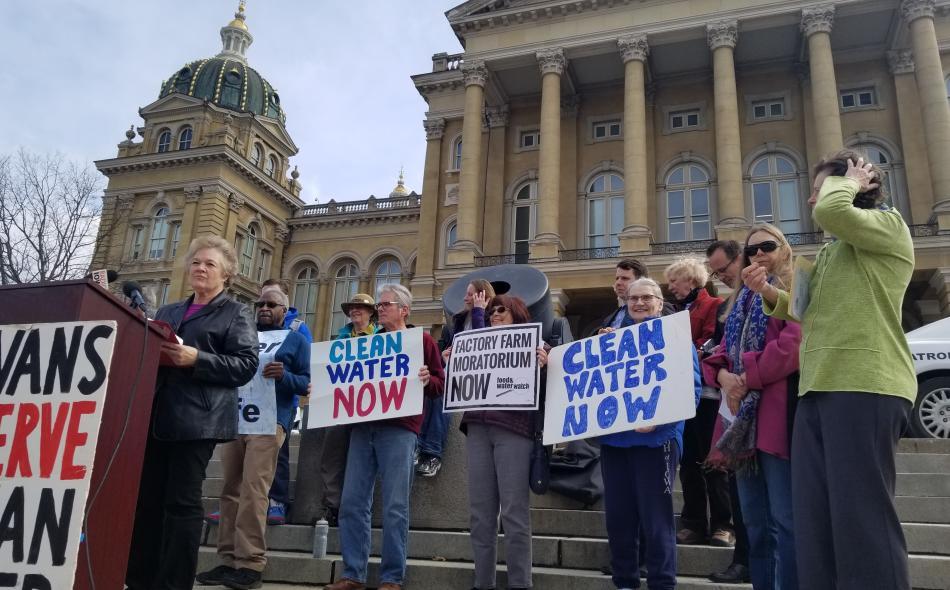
pixel 744 332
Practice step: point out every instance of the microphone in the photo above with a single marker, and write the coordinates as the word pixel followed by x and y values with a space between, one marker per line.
pixel 132 290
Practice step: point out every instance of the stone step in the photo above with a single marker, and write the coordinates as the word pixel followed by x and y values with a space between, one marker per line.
pixel 923 463
pixel 940 446
pixel 548 550
pixel 930 572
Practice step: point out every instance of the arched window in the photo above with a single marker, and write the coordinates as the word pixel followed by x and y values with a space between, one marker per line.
pixel 231 91
pixel 687 204
pixel 389 272
pixel 156 246
pixel 451 235
pixel 247 251
pixel 164 141
pixel 775 193
pixel 524 214
pixel 305 294
pixel 604 210
pixel 271 166
pixel 457 154
pixel 882 160
pixel 184 139
pixel 345 285
pixel 257 155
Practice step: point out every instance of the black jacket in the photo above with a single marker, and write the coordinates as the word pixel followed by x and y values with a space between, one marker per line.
pixel 200 402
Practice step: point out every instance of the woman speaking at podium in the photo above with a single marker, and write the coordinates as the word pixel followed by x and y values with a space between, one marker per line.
pixel 195 407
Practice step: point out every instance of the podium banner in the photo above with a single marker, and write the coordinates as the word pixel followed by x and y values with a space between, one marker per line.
pixel 53 380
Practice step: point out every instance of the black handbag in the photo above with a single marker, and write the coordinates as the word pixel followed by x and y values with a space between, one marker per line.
pixel 540 472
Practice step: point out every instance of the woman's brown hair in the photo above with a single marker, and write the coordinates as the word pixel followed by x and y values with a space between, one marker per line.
pixel 519 312
pixel 483 285
pixel 836 164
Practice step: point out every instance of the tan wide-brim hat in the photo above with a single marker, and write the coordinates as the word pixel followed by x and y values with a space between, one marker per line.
pixel 361 299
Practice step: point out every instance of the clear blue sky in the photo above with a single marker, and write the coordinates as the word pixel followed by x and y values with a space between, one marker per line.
pixel 76 72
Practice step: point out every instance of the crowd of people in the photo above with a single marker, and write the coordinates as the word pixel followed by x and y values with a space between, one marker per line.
pixel 791 448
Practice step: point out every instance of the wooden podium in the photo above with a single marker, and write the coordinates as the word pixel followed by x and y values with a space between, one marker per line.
pixel 109 527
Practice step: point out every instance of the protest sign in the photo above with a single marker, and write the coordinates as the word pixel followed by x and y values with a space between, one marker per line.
pixel 637 376
pixel 493 368
pixel 366 378
pixel 53 380
pixel 257 399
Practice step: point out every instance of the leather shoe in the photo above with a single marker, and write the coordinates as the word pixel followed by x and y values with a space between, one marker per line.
pixel 736 573
pixel 345 584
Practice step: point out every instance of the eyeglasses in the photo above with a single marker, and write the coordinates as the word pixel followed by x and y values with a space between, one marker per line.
pixel 267 304
pixel 498 309
pixel 718 272
pixel 384 304
pixel 766 247
pixel 641 298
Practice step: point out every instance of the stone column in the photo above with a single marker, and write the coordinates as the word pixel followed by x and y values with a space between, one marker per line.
pixel 916 162
pixel 424 282
pixel 547 241
pixel 321 322
pixel 934 110
pixel 940 281
pixel 493 238
pixel 570 107
pixel 722 38
pixel 635 237
pixel 364 284
pixel 179 286
pixel 282 236
pixel 816 25
pixel 235 204
pixel 468 245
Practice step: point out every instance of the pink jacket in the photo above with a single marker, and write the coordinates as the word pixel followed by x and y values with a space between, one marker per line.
pixel 767 371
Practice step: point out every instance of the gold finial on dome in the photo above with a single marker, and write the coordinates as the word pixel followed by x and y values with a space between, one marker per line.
pixel 239 17
pixel 400 190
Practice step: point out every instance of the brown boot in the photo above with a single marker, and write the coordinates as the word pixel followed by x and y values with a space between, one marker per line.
pixel 345 584
pixel 390 586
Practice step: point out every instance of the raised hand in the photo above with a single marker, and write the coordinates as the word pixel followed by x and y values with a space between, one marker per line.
pixel 862 173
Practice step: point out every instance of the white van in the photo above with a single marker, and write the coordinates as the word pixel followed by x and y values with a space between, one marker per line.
pixel 930 347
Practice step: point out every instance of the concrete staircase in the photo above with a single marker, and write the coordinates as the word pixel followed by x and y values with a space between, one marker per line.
pixel 570 541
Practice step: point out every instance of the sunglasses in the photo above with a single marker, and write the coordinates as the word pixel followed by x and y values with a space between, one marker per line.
pixel 385 304
pixel 267 304
pixel 498 309
pixel 766 247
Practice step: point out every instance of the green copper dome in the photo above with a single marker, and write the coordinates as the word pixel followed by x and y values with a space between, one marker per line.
pixel 228 83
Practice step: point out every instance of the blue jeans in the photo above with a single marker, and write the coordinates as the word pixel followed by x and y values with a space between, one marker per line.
pixel 384 450
pixel 766 500
pixel 435 427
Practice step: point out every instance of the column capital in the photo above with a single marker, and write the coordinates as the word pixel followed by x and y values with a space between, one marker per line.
pixel 551 61
pixel 900 61
pixel 817 19
pixel 435 128
pixel 282 232
pixel 911 10
pixel 724 33
pixel 236 203
pixel 570 105
pixel 474 72
pixel 633 47
pixel 192 194
pixel 497 116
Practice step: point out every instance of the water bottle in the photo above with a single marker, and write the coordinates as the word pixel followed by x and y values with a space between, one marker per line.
pixel 320 532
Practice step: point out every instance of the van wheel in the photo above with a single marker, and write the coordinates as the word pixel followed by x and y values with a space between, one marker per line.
pixel 931 415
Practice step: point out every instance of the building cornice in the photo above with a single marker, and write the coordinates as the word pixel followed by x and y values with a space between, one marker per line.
pixel 215 153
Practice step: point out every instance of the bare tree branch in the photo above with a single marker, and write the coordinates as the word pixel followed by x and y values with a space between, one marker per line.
pixel 50 211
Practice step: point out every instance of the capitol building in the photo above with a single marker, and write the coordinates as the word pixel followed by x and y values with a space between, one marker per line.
pixel 569 134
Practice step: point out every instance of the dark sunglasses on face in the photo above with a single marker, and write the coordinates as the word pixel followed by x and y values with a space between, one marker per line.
pixel 267 304
pixel 498 309
pixel 766 247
